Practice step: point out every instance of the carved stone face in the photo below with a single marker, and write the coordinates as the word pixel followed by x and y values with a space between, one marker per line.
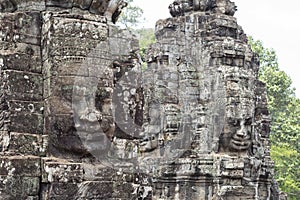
pixel 236 135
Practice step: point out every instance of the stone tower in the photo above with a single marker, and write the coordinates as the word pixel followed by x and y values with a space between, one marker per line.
pixel 81 120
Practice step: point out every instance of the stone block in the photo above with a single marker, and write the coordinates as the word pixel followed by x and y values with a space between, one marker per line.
pixel 4 140
pixel 27 144
pixel 237 192
pixel 23 57
pixel 60 65
pixel 123 190
pixel 120 47
pixel 34 5
pixel 95 190
pixel 22 86
pixel 57 171
pixel 98 172
pixel 26 117
pixel 19 187
pixel 68 49
pixel 21 27
pixel 88 72
pixel 233 173
pixel 59 191
pixel 233 164
pixel 102 69
pixel 83 66
pixel 223 31
pixel 222 20
pixel 25 166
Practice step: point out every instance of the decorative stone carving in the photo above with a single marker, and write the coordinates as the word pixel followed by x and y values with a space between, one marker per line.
pixel 180 7
pixel 79 119
pixel 110 8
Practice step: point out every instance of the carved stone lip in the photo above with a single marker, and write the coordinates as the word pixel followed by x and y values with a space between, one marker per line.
pixel 239 145
pixel 241 139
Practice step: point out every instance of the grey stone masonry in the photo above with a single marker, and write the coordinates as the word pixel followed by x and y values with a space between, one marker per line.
pixel 80 119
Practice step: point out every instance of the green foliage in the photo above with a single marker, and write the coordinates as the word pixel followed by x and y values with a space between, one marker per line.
pixel 278 83
pixel 287 168
pixel 284 108
pixel 131 16
pixel 146 37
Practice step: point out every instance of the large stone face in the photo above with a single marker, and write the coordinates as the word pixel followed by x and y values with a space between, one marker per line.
pixel 80 119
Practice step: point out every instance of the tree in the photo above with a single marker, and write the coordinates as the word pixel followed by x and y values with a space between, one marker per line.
pixel 287 168
pixel 130 18
pixel 131 15
pixel 146 37
pixel 284 109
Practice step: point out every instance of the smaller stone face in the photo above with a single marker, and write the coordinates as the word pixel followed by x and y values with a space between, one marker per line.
pixel 237 135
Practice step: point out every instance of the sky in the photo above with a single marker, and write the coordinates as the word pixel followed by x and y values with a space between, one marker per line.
pixel 276 23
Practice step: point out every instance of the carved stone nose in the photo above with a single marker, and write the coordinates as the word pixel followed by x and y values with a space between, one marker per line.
pixel 242 132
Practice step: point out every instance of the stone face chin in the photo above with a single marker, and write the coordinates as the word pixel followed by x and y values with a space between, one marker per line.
pixel 80 119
